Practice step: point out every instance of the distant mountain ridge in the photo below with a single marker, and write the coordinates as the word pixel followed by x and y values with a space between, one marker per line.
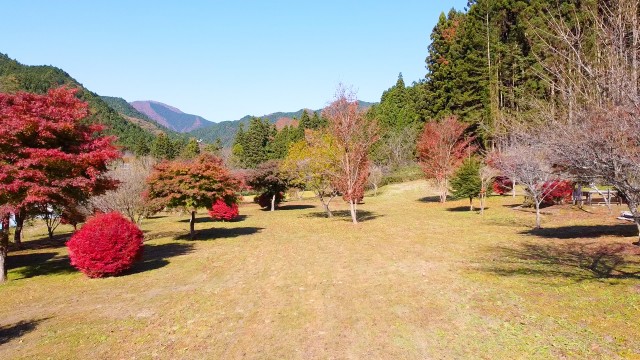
pixel 226 130
pixel 170 117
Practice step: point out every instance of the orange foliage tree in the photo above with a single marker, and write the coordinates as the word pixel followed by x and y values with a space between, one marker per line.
pixel 441 149
pixel 192 184
pixel 354 134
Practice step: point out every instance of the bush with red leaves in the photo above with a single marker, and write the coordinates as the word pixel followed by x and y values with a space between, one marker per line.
pixel 557 191
pixel 106 245
pixel 264 199
pixel 502 185
pixel 221 211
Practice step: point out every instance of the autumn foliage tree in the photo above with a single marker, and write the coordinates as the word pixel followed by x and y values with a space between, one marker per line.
pixel 192 184
pixel 355 133
pixel 313 163
pixel 271 181
pixel 50 158
pixel 442 147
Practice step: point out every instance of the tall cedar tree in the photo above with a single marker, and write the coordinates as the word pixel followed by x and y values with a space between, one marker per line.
pixel 252 147
pixel 466 182
pixel 270 180
pixel 49 156
pixel 441 149
pixel 355 133
pixel 192 184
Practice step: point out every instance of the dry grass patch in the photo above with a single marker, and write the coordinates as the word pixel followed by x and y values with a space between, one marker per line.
pixel 413 280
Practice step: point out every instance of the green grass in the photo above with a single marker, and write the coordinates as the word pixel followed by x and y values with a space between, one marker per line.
pixel 415 280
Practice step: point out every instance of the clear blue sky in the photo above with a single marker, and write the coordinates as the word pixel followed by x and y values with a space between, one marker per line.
pixel 226 59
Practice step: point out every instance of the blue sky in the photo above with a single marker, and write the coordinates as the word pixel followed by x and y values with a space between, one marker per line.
pixel 226 59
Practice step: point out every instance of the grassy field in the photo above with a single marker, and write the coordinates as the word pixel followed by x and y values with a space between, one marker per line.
pixel 415 280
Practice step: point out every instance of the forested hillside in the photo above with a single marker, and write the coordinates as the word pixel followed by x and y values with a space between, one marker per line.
pixel 125 109
pixel 226 130
pixel 38 79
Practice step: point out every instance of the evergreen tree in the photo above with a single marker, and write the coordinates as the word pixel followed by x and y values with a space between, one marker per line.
pixel 191 150
pixel 237 149
pixel 466 182
pixel 252 147
pixel 318 121
pixel 162 148
pixel 279 146
pixel 396 109
pixel 305 121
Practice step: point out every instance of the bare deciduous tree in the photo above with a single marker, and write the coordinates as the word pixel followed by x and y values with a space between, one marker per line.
pixel 129 198
pixel 376 174
pixel 487 175
pixel 529 163
pixel 595 65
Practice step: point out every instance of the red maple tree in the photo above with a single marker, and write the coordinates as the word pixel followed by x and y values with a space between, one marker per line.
pixel 50 158
pixel 192 184
pixel 441 149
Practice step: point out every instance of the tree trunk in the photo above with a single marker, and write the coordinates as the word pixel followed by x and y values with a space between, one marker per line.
pixel 538 220
pixel 352 205
pixel 444 185
pixel 470 203
pixel 513 188
pixel 4 247
pixel 482 200
pixel 633 208
pixel 192 223
pixel 375 189
pixel 50 232
pixel 273 202
pixel 17 235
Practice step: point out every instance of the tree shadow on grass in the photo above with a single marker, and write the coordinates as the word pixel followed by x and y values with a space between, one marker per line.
pixel 576 261
pixel 40 264
pixel 220 233
pixel 432 199
pixel 465 209
pixel 156 256
pixel 13 331
pixel 584 231
pixel 345 215
pixel 208 219
pixel 295 207
pixel 58 241
pixel 15 261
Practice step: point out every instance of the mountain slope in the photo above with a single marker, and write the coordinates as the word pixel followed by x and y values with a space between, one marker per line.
pixel 170 117
pixel 127 111
pixel 15 76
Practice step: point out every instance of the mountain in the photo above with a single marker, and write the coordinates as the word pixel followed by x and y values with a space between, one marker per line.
pixel 15 76
pixel 170 117
pixel 226 130
pixel 130 113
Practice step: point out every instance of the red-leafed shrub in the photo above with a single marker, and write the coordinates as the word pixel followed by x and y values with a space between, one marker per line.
pixel 221 211
pixel 557 191
pixel 502 185
pixel 106 245
pixel 264 199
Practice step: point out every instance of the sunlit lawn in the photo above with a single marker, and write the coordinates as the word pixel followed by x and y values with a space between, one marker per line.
pixel 414 280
